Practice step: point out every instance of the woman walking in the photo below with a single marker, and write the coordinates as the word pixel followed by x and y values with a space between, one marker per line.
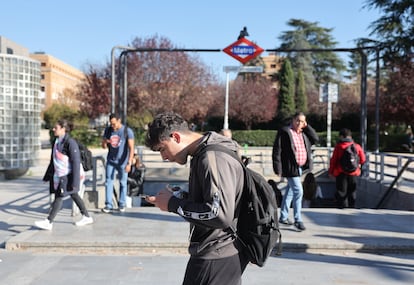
pixel 67 174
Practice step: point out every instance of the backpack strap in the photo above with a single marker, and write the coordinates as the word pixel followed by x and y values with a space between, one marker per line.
pixel 126 132
pixel 218 147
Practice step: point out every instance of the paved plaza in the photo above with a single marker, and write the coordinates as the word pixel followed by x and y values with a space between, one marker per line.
pixel 147 246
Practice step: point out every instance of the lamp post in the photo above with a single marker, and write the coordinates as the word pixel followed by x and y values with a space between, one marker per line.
pixel 113 73
pixel 237 69
pixel 227 70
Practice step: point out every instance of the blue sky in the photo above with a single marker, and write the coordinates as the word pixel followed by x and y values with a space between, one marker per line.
pixel 81 32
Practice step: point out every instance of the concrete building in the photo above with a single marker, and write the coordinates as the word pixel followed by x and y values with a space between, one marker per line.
pixel 58 81
pixel 19 107
pixel 272 66
pixel 29 83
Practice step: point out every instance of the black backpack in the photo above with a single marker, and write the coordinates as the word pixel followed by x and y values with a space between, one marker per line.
pixel 85 155
pixel 258 224
pixel 349 160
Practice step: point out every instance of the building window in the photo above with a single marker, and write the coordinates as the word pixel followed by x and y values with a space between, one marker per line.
pixel 9 51
pixel 43 64
pixel 42 76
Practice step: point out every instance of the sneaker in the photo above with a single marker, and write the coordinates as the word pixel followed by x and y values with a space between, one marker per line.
pixel 300 226
pixel 84 221
pixel 44 225
pixel 107 209
pixel 122 209
pixel 286 222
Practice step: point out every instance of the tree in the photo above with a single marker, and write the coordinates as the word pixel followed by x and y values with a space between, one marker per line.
pixel 301 101
pixel 394 36
pixel 157 81
pixel 286 106
pixel 394 29
pixel 323 66
pixel 56 112
pixel 95 91
pixel 168 81
pixel 398 100
pixel 253 100
pixel 68 97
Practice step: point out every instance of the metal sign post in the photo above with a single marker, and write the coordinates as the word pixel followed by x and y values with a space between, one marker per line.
pixel 328 93
pixel 227 70
pixel 237 69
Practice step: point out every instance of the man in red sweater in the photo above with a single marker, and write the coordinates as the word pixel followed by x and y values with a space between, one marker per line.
pixel 345 180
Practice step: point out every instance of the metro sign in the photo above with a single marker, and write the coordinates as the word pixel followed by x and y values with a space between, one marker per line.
pixel 243 50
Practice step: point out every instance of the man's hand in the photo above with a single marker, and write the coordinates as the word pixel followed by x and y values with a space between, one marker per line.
pixel 161 199
pixel 105 143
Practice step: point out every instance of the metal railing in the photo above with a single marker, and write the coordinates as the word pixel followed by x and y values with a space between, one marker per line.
pixel 390 169
pixel 395 182
pixel 98 173
pixel 261 158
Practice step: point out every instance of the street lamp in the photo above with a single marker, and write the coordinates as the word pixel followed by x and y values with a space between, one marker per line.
pixel 113 73
pixel 227 70
pixel 237 69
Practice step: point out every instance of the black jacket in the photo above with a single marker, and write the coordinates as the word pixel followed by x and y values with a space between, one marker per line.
pixel 283 154
pixel 71 182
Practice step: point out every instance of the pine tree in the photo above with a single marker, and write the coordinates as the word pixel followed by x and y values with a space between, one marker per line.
pixel 301 101
pixel 286 106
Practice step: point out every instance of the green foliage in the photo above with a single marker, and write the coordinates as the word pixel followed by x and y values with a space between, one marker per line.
pixel 301 100
pixel 87 137
pixel 138 123
pixel 255 137
pixel 394 28
pixel 80 123
pixel 287 91
pixel 57 112
pixel 306 34
pixel 265 138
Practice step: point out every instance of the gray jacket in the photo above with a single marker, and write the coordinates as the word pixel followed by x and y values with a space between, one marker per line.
pixel 215 186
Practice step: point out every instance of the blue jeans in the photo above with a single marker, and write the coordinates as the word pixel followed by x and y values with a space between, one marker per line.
pixel 109 184
pixel 293 192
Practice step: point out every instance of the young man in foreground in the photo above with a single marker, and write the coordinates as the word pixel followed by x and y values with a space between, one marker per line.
pixel 211 206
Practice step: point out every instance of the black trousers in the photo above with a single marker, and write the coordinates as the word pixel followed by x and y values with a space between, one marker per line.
pixel 58 202
pixel 221 271
pixel 345 191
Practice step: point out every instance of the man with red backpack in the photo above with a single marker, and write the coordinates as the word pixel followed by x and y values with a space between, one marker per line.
pixel 345 166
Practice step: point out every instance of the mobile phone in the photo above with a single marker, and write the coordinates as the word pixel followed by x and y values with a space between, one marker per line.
pixel 144 196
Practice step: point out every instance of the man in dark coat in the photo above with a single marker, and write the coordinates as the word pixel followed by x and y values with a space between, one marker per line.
pixel 291 155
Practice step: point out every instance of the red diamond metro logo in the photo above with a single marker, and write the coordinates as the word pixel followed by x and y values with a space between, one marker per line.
pixel 243 50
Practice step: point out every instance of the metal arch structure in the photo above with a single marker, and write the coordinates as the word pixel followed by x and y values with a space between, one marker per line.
pixel 122 98
pixel 113 73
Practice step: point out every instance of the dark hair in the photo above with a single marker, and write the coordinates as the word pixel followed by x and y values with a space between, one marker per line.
pixel 289 120
pixel 113 115
pixel 162 126
pixel 63 123
pixel 345 133
pixel 298 113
